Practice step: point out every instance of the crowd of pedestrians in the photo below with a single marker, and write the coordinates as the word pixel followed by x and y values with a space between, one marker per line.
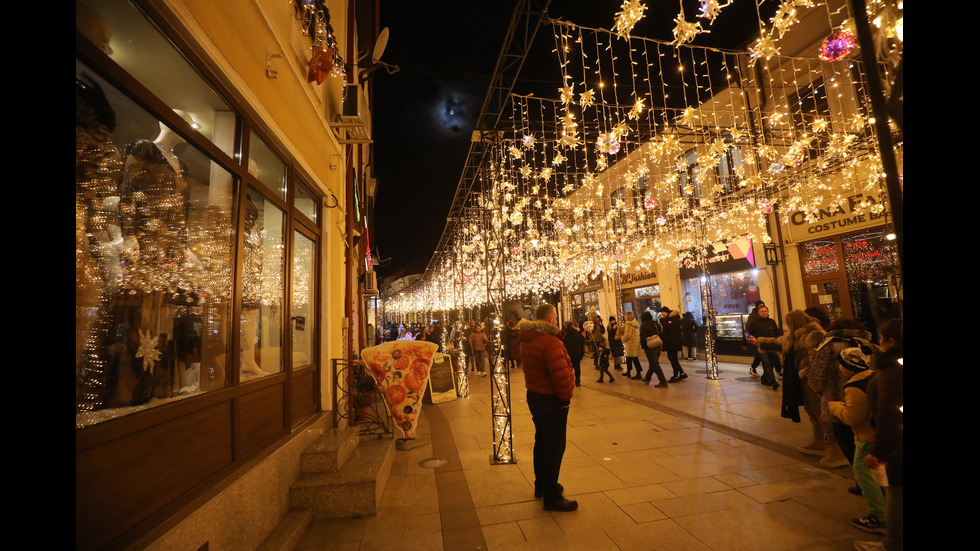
pixel 848 383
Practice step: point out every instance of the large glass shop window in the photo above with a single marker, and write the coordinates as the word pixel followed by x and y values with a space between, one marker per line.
pixel 263 264
pixel 154 259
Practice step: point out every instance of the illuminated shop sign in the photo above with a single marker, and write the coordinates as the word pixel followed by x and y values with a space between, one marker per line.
pixel 856 212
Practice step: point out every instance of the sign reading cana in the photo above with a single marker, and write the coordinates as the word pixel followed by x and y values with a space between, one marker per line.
pixel 832 220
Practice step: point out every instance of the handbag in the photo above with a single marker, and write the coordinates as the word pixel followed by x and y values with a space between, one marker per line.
pixel 654 341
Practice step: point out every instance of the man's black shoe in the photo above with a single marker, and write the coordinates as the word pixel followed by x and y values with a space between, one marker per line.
pixel 563 505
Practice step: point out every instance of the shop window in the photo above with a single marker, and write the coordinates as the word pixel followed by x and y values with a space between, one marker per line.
pixel 304 260
pixel 305 204
pixel 121 31
pixel 267 167
pixel 820 257
pixel 263 266
pixel 154 258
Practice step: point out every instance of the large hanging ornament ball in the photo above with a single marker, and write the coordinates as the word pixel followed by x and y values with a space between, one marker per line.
pixel 776 167
pixel 559 226
pixel 607 143
pixel 836 46
pixel 515 251
pixel 877 208
pixel 661 220
pixel 765 207
pixel 516 218
pixel 649 203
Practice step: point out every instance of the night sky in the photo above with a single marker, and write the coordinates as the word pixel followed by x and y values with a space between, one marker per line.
pixel 425 113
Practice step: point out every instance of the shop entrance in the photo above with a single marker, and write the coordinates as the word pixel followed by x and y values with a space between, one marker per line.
pixel 853 276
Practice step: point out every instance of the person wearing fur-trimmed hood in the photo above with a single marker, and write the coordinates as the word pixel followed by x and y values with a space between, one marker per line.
pixel 550 381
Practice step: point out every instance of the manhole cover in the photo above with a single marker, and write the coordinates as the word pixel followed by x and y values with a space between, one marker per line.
pixel 433 463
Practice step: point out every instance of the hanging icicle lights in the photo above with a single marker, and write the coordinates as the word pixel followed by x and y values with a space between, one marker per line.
pixel 706 138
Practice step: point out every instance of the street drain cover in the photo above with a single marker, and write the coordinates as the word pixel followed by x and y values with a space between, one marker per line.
pixel 433 463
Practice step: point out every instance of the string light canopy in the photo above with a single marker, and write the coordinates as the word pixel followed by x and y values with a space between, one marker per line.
pixel 651 150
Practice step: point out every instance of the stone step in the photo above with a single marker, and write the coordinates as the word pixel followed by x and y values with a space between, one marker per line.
pixel 329 452
pixel 286 535
pixel 355 489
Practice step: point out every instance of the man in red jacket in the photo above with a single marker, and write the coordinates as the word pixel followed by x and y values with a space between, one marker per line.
pixel 550 379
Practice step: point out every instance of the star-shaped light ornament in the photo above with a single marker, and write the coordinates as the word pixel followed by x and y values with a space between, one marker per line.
pixel 764 47
pixel 558 159
pixel 632 11
pixel 684 31
pixel 526 171
pixel 515 152
pixel 568 94
pixel 785 17
pixel 636 110
pixel 528 141
pixel 586 98
pixel 689 117
pixel 710 9
pixel 148 350
pixel 545 173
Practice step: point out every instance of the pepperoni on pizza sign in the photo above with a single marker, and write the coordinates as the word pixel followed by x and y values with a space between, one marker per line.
pixel 402 371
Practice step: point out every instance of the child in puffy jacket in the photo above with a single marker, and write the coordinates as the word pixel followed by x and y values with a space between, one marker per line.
pixel 855 366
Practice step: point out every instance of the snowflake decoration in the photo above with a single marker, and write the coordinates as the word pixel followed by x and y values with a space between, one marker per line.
pixel 784 17
pixel 148 350
pixel 587 98
pixel 545 173
pixel 764 47
pixel 528 141
pixel 636 110
pixel 836 46
pixel 607 143
pixel 515 152
pixel 626 19
pixel 526 171
pixel 558 159
pixel 689 117
pixel 685 31
pixel 710 9
pixel 819 125
pixel 568 94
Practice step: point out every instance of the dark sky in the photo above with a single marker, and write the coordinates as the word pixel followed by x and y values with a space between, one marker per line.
pixel 425 113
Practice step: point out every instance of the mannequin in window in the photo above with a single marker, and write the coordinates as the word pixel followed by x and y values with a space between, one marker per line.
pixel 153 207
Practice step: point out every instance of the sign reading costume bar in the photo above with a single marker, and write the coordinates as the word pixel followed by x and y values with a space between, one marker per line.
pixel 402 371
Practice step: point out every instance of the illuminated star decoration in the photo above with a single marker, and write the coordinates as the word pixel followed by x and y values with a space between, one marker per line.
pixel 632 11
pixel 515 152
pixel 587 98
pixel 836 46
pixel 636 110
pixel 528 141
pixel 710 9
pixel 685 31
pixel 764 47
pixel 567 94
pixel 148 350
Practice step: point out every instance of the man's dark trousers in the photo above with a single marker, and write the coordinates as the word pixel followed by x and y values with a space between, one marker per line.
pixel 550 423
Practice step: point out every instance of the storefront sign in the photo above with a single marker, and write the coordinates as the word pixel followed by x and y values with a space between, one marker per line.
pixel 832 220
pixel 637 279
pixel 722 258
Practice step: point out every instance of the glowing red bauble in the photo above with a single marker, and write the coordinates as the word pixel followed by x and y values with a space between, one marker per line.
pixel 836 46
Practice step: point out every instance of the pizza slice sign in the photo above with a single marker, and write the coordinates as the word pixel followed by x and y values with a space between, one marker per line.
pixel 402 371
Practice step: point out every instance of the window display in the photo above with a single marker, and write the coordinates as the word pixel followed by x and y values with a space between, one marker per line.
pixel 154 258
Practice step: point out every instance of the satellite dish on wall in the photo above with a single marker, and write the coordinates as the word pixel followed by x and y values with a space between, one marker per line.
pixel 379 50
pixel 379 46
